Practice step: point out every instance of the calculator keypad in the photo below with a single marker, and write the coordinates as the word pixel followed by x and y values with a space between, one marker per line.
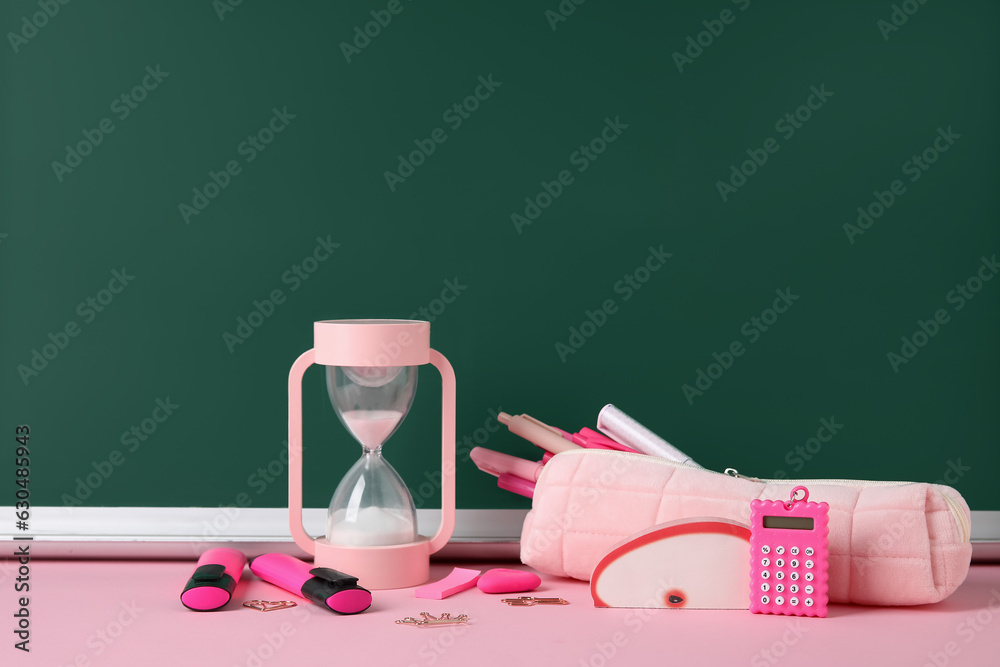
pixel 794 570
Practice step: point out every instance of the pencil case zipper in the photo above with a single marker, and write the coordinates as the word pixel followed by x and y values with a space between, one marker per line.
pixel 956 511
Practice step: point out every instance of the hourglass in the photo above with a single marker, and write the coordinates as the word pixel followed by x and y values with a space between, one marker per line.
pixel 371 377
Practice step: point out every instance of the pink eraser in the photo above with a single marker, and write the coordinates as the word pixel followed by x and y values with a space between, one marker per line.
pixel 459 580
pixel 501 580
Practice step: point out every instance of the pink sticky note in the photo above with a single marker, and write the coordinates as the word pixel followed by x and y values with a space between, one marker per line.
pixel 459 580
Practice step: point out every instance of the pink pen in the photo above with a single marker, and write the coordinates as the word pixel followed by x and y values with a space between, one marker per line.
pixel 214 580
pixel 327 588
pixel 537 433
pixel 588 437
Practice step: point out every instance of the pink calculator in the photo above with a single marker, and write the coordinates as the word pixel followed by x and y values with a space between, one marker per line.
pixel 789 555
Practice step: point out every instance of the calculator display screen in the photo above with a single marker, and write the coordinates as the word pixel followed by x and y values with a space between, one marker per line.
pixel 791 522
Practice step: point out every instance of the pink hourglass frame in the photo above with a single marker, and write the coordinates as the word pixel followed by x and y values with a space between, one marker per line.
pixel 373 343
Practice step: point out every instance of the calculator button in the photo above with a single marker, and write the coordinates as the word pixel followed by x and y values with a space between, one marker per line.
pixel 779 600
pixel 765 587
pixel 794 563
pixel 793 601
pixel 809 551
pixel 809 590
pixel 779 550
pixel 764 599
pixel 809 602
pixel 779 575
pixel 779 588
pixel 765 549
pixel 809 576
pixel 809 564
pixel 764 562
pixel 794 588
pixel 794 576
pixel 765 575
pixel 794 551
pixel 780 562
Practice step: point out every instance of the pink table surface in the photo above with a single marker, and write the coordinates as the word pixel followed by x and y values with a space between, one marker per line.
pixel 127 613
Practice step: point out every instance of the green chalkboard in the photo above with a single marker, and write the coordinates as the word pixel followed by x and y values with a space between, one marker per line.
pixel 768 231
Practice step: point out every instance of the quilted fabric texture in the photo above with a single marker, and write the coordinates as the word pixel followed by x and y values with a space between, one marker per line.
pixel 891 543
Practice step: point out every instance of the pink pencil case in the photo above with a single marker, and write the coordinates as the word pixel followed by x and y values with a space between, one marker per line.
pixel 891 543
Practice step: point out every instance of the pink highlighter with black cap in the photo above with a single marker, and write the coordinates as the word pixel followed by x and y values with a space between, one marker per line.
pixel 214 580
pixel 326 587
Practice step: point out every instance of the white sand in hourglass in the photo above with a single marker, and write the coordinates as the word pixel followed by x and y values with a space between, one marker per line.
pixel 370 526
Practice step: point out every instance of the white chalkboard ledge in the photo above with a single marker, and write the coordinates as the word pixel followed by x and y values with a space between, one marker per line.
pixel 185 532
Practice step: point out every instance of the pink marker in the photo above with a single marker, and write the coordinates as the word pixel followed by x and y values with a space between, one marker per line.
pixel 327 588
pixel 516 484
pixel 513 474
pixel 214 580
pixel 497 463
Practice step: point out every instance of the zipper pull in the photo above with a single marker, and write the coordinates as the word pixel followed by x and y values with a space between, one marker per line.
pixel 732 472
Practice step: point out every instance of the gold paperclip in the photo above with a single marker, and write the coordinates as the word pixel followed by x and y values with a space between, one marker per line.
pixel 264 605
pixel 427 620
pixel 531 602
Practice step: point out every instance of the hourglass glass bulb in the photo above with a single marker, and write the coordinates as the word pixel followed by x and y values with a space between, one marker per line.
pixel 371 506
